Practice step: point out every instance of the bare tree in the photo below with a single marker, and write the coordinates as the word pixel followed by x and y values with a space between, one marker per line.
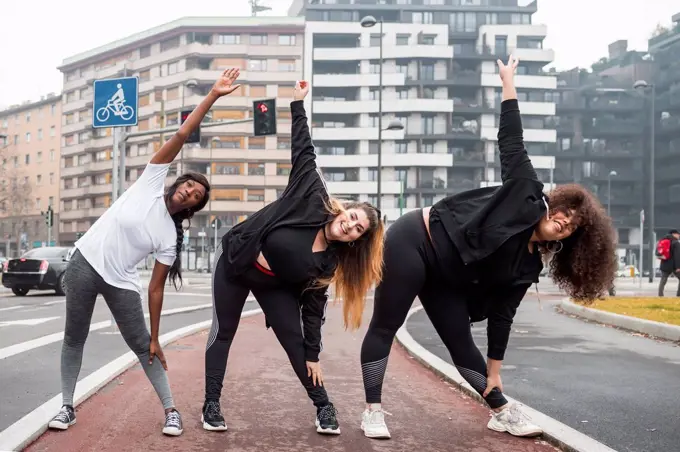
pixel 659 30
pixel 15 190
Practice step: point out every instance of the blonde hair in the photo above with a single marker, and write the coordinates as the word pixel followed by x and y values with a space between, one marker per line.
pixel 360 266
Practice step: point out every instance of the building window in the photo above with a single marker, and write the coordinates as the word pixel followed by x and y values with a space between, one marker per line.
pixel 283 169
pixel 428 125
pixel 170 44
pixel 257 65
pixel 256 169
pixel 401 147
pixel 145 52
pixel 373 147
pixel 282 143
pixel 421 17
pixel 173 68
pixel 38 179
pixel 258 40
pixel 375 40
pixel 402 93
pixel 37 203
pixel 373 120
pixel 373 199
pixel 286 40
pixel 256 143
pixel 27 159
pixel 255 195
pixel 427 40
pixel 50 201
pixel 373 174
pixel 51 155
pixel 229 39
pixel 374 68
pixel 402 40
pixel 427 72
pixel 427 148
pixel 400 174
pixel 28 137
pixel 286 65
pixel 53 131
pixel 51 178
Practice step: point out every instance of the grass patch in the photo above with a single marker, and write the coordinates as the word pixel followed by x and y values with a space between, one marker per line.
pixel 665 310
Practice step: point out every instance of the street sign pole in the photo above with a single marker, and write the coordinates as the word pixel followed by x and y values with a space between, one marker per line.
pixel 642 225
pixel 114 169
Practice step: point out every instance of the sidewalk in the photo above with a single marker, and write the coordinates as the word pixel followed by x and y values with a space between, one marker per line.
pixel 267 409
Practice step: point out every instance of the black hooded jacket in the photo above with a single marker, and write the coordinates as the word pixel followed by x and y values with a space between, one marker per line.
pixel 302 204
pixel 672 264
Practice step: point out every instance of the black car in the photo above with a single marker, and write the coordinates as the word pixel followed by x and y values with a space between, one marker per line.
pixel 38 269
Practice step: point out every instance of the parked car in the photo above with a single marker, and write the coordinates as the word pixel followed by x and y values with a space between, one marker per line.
pixel 37 269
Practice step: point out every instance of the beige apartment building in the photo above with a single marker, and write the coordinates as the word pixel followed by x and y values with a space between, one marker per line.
pixel 30 136
pixel 177 63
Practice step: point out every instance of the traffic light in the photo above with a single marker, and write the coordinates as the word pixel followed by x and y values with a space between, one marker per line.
pixel 264 117
pixel 49 217
pixel 195 135
pixel 79 234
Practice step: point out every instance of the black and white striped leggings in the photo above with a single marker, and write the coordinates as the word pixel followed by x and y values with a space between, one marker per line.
pixel 410 272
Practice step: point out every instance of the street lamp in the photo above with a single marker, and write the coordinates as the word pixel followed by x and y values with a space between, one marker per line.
pixel 612 173
pixel 189 84
pixel 213 141
pixel 644 86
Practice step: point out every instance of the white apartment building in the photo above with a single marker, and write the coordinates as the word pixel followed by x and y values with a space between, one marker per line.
pixel 177 64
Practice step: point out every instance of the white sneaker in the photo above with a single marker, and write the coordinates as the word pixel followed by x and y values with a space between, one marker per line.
pixel 373 424
pixel 512 420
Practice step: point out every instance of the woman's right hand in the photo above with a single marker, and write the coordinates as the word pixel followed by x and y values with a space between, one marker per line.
pixel 507 71
pixel 301 89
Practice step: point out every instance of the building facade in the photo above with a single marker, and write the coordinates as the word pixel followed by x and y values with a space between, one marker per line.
pixel 177 64
pixel 665 51
pixel 439 81
pixel 29 175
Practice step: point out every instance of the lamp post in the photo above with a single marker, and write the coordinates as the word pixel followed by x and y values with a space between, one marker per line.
pixel 644 86
pixel 188 84
pixel 210 171
pixel 612 173
pixel 368 22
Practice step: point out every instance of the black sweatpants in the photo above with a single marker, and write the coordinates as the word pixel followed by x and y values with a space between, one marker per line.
pixel 282 311
pixel 411 271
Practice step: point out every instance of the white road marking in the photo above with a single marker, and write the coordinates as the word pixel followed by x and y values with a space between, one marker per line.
pixel 13 307
pixel 27 322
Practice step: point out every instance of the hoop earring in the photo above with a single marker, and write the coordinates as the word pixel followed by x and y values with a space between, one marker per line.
pixel 557 243
pixel 351 244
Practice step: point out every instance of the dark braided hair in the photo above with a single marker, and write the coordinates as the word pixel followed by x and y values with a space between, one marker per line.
pixel 187 214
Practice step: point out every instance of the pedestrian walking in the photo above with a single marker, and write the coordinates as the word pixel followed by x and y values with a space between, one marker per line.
pixel 288 254
pixel 668 251
pixel 147 218
pixel 472 256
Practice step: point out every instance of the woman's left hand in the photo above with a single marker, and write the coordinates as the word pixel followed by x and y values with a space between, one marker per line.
pixel 225 84
pixel 314 371
pixel 493 381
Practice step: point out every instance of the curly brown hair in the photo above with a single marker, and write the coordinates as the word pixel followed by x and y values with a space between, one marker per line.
pixel 584 267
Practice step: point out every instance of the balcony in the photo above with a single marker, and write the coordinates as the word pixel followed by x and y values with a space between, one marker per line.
pixel 247 180
pixel 390 52
pixel 670 125
pixel 613 127
pixel 388 106
pixel 473 106
pixel 521 81
pixel 427 186
pixel 530 135
pixel 365 79
pixel 238 154
pixel 454 186
pixel 388 160
pixel 608 153
pixel 80 214
pixel 363 187
pixel 614 105
pixel 354 133
pixel 622 175
pixel 568 105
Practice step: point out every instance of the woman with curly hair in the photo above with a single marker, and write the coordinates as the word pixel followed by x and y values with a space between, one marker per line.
pixel 472 256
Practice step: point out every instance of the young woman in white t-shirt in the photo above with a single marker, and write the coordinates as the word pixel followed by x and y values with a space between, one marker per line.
pixel 146 219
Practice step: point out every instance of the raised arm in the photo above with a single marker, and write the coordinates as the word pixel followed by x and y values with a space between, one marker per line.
pixel 515 162
pixel 302 149
pixel 223 86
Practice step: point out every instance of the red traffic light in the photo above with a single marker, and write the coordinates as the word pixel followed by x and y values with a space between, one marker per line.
pixel 263 108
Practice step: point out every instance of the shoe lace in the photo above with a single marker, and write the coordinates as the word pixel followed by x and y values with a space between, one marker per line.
pixel 63 415
pixel 377 416
pixel 328 412
pixel 172 418
pixel 213 408
pixel 517 416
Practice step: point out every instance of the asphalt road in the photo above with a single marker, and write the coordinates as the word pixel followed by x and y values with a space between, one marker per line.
pixel 31 377
pixel 617 387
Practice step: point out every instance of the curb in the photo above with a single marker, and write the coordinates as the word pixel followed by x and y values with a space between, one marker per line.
pixel 555 432
pixel 27 429
pixel 650 327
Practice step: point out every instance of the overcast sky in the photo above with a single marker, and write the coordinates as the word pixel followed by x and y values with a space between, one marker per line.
pixel 36 35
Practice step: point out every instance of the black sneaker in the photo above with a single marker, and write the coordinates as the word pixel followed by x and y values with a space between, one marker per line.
pixel 327 421
pixel 63 420
pixel 173 424
pixel 212 418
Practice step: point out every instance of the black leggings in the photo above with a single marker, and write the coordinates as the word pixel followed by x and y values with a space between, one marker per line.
pixel 410 272
pixel 282 311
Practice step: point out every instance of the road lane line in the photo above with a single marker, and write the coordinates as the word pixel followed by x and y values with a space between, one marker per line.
pixel 13 307
pixel 28 428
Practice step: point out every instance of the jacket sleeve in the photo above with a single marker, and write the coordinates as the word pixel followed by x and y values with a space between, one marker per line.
pixel 313 308
pixel 515 162
pixel 501 314
pixel 675 254
pixel 303 156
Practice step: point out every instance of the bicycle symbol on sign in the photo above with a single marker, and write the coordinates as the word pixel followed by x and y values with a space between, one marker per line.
pixel 115 105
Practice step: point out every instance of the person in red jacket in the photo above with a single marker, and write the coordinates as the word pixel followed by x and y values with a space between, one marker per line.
pixel 472 256
pixel 670 266
pixel 287 254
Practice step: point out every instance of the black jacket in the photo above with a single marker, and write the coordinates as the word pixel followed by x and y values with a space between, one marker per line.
pixel 301 204
pixel 479 221
pixel 672 264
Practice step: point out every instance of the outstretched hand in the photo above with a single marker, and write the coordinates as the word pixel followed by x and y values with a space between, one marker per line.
pixel 225 84
pixel 301 89
pixel 507 71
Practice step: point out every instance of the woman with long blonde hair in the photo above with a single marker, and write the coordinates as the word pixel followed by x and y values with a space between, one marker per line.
pixel 288 254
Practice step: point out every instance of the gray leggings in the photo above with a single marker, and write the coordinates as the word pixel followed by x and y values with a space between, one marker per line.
pixel 83 284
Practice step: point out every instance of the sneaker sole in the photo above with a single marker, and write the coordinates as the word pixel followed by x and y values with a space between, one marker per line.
pixel 56 425
pixel 212 428
pixel 172 431
pixel 375 435
pixel 497 427
pixel 326 431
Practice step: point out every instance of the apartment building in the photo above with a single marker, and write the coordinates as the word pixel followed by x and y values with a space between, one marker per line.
pixel 177 63
pixel 29 175
pixel 665 51
pixel 602 139
pixel 440 82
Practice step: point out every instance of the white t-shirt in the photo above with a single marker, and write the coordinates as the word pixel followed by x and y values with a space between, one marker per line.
pixel 137 224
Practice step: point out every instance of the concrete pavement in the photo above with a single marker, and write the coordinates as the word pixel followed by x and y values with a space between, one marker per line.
pixel 267 409
pixel 609 384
